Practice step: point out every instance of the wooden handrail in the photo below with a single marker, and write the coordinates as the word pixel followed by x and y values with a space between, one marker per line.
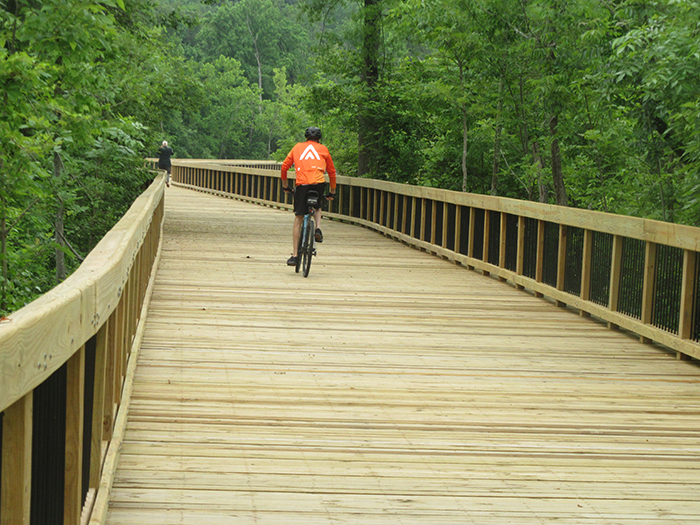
pixel 580 258
pixel 68 352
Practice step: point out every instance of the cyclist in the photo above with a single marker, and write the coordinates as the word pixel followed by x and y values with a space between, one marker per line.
pixel 311 160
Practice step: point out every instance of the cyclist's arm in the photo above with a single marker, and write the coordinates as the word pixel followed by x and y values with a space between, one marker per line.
pixel 285 168
pixel 330 169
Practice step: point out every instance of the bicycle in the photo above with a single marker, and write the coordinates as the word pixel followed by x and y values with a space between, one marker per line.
pixel 307 240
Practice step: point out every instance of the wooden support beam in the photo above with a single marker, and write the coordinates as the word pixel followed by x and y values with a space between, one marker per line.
pixel 75 397
pixel 539 266
pixel 586 266
pixel 503 234
pixel 458 229
pixel 561 259
pixel 520 264
pixel 433 222
pixel 487 239
pixel 98 405
pixel 15 500
pixel 650 262
pixel 615 273
pixel 445 228
pixel 470 244
pixel 689 290
pixel 412 228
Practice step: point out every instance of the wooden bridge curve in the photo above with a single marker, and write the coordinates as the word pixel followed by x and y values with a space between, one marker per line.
pixel 388 387
pixel 391 386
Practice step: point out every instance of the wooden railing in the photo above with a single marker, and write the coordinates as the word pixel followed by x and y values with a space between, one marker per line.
pixel 640 275
pixel 66 362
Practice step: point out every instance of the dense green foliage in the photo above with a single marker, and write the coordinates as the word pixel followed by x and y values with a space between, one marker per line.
pixel 578 102
pixel 586 103
pixel 81 86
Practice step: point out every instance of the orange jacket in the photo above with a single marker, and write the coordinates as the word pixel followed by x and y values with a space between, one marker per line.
pixel 311 160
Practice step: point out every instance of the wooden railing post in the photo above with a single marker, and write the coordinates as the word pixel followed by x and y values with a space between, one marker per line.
pixel 445 228
pixel 520 264
pixel 15 500
pixel 412 227
pixel 502 243
pixel 561 259
pixel 487 240
pixel 396 211
pixel 586 266
pixel 688 291
pixel 433 222
pixel 650 255
pixel 458 230
pixel 615 269
pixel 75 409
pixel 539 265
pixel 472 228
pixel 404 213
pixel 98 405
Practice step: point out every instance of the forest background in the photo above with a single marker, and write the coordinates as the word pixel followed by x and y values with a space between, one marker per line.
pixel 586 103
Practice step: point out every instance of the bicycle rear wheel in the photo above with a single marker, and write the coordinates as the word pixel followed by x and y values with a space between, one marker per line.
pixel 300 248
pixel 308 246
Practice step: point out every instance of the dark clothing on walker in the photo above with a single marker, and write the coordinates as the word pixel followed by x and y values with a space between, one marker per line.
pixel 164 154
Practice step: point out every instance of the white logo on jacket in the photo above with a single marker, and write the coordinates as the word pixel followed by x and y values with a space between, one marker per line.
pixel 310 153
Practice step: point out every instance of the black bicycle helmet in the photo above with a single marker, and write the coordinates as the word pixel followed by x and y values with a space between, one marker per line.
pixel 313 133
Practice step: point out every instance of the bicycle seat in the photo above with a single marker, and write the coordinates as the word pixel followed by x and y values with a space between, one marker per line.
pixel 312 199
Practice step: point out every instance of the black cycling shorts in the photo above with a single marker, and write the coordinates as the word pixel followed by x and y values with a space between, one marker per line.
pixel 300 207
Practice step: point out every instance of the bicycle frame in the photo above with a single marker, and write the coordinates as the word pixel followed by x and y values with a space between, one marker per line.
pixel 307 240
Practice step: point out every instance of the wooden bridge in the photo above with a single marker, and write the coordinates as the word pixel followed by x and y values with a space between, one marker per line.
pixel 185 375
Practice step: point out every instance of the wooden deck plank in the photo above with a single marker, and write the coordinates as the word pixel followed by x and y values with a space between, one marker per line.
pixel 390 387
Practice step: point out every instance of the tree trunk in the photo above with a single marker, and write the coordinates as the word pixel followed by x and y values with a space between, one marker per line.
pixel 544 193
pixel 367 133
pixel 256 51
pixel 557 173
pixel 495 168
pixel 465 144
pixel 60 255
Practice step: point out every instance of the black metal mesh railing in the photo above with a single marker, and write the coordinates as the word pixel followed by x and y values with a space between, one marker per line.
pixel 48 446
pixel 511 262
pixel 439 216
pixel 464 230
pixel 479 217
pixel 428 228
pixel 551 254
pixel 494 238
pixel 667 291
pixel 451 219
pixel 574 261
pixel 631 278
pixel 601 265
pixel 356 204
pixel 695 330
pixel 530 248
pixel 417 215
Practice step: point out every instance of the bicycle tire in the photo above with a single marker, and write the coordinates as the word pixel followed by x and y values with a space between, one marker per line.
pixel 300 248
pixel 308 247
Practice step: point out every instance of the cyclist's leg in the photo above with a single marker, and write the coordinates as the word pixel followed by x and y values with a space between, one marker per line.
pixel 296 234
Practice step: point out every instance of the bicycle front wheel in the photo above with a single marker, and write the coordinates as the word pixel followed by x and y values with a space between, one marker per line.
pixel 308 247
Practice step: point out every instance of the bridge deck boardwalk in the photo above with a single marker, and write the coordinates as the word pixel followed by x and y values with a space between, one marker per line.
pixel 390 387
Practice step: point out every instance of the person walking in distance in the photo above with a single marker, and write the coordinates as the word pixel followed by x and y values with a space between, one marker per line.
pixel 311 160
pixel 164 154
